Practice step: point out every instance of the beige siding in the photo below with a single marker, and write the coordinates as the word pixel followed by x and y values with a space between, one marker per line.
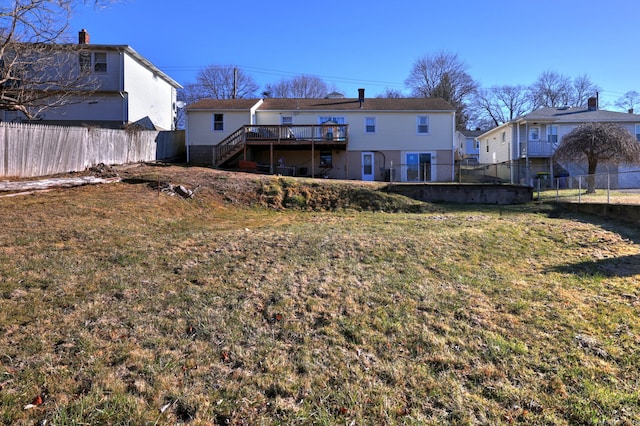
pixel 200 126
pixel 393 129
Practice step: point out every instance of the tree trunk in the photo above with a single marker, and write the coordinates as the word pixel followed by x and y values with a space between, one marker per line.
pixel 591 177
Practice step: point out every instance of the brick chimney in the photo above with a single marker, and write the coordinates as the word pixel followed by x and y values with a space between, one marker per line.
pixel 83 37
pixel 592 104
pixel 361 96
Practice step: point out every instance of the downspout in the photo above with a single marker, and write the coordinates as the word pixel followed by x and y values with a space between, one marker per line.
pixel 526 155
pixel 518 143
pixel 186 133
pixel 453 146
pixel 123 93
pixel 509 146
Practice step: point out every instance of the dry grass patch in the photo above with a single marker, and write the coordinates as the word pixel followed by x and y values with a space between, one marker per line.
pixel 124 306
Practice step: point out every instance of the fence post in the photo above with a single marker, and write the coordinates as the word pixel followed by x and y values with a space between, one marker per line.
pixel 557 189
pixel 579 189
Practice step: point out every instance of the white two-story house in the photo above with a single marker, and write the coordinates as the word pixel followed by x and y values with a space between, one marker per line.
pixel 522 149
pixel 126 88
pixel 404 139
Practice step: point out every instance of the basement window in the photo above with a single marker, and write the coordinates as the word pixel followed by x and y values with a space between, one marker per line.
pixel 326 159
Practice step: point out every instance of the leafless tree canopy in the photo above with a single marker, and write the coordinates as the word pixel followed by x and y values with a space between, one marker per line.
pixel 630 101
pixel 502 103
pixel 553 89
pixel 225 82
pixel 36 72
pixel 302 86
pixel 445 76
pixel 391 94
pixel 599 143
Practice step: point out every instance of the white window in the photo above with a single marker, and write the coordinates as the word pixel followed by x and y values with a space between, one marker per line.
pixel 93 62
pixel 552 134
pixel 331 120
pixel 369 124
pixel 332 128
pixel 100 62
pixel 85 62
pixel 504 137
pixel 423 124
pixel 287 120
pixel 638 131
pixel 534 134
pixel 218 122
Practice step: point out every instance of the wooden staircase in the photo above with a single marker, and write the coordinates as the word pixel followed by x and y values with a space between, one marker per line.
pixel 229 147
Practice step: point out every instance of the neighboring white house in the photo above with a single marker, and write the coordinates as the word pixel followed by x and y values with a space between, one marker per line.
pixel 404 139
pixel 522 148
pixel 129 89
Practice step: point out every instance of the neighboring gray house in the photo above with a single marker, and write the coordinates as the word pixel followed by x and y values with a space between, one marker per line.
pixel 525 145
pixel 129 89
pixel 467 146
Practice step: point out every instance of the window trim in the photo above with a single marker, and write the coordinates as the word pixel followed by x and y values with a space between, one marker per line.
pixel 286 120
pixel 89 64
pixel 552 133
pixel 214 122
pixel 367 125
pixel 419 124
pixel 537 133
pixel 102 64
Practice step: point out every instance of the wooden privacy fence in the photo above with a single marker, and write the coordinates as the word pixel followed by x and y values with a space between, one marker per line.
pixel 28 150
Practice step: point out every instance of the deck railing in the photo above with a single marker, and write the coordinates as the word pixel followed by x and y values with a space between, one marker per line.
pixel 279 134
pixel 537 148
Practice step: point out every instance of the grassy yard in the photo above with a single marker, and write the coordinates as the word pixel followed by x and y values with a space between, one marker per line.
pixel 123 305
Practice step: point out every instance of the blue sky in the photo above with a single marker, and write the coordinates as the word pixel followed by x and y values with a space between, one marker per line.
pixel 356 43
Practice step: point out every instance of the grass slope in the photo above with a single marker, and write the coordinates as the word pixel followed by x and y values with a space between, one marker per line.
pixel 123 305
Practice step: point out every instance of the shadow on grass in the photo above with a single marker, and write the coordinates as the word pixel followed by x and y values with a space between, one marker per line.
pixel 624 266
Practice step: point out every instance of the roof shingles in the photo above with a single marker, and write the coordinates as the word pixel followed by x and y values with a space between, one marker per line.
pixel 349 104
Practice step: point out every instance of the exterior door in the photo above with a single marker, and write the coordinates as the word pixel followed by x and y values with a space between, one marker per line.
pixel 419 167
pixel 367 166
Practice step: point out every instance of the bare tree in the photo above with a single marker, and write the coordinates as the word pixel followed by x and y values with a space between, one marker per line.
pixel 598 143
pixel 443 75
pixel 188 94
pixel 391 94
pixel 629 101
pixel 501 104
pixel 583 89
pixel 553 89
pixel 225 82
pixel 36 71
pixel 302 86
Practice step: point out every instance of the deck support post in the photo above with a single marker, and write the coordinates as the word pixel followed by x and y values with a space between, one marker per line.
pixel 271 158
pixel 313 161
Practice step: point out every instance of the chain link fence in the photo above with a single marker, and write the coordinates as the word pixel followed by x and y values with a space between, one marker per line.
pixel 610 188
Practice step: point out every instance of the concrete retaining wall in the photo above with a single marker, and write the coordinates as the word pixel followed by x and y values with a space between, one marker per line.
pixel 464 193
pixel 624 212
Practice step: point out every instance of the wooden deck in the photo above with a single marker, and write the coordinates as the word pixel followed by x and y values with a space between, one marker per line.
pixel 321 136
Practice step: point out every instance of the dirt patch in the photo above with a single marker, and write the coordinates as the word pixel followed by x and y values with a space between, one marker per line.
pixel 271 191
